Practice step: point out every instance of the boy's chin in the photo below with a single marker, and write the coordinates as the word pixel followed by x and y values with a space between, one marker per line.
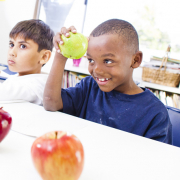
pixel 12 69
pixel 104 89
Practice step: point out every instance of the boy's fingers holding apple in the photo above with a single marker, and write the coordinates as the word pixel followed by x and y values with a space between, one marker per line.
pixel 72 29
pixel 55 44
pixel 65 31
pixel 57 38
pixel 56 41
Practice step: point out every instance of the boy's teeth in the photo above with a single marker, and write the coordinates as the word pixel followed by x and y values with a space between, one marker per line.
pixel 103 79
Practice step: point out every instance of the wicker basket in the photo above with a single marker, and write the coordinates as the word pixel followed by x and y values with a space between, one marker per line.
pixel 161 75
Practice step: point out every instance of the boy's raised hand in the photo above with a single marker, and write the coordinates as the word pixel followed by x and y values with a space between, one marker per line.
pixel 57 38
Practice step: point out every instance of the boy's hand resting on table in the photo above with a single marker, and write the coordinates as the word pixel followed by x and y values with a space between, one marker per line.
pixel 57 38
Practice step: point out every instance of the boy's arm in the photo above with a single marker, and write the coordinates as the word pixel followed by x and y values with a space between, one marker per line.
pixel 52 100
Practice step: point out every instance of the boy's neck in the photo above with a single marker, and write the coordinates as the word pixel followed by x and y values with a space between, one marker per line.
pixel 131 88
pixel 135 90
pixel 30 72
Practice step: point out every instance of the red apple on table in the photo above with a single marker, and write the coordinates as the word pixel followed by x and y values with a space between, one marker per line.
pixel 5 123
pixel 58 155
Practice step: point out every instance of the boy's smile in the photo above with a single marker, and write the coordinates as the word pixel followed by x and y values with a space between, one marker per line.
pixel 110 63
pixel 102 81
pixel 23 56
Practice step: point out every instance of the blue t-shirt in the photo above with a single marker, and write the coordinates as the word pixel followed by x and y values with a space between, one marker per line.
pixel 141 114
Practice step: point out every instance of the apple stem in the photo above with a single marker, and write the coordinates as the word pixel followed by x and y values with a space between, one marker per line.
pixel 56 133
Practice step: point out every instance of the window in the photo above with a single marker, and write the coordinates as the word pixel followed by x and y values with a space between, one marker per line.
pixel 59 13
pixel 156 21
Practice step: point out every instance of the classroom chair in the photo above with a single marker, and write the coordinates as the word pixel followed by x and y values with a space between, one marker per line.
pixel 174 115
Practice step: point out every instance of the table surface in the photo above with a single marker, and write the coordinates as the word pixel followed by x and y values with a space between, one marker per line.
pixel 110 154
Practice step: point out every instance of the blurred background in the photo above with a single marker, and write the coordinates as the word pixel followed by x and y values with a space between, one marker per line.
pixel 156 21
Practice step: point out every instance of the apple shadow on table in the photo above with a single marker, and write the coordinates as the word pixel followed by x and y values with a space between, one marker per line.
pixel 4 149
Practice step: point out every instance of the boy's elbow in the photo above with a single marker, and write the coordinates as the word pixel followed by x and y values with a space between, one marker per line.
pixel 49 108
pixel 50 104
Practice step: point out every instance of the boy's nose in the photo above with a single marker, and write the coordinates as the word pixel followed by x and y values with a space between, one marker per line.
pixel 12 52
pixel 98 70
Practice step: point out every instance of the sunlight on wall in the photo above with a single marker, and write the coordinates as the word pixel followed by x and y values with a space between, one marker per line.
pixel 156 21
pixel 11 12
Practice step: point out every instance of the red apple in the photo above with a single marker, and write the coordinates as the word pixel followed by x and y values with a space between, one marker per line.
pixel 5 123
pixel 58 155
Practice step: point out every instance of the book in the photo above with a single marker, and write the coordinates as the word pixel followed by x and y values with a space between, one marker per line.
pixel 70 79
pixel 169 100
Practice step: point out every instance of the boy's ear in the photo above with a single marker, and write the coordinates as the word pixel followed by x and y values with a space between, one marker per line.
pixel 45 56
pixel 137 59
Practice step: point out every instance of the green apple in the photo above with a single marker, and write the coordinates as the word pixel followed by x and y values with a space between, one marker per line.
pixel 75 46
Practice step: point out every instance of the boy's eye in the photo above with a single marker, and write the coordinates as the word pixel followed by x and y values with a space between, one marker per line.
pixel 91 61
pixel 107 61
pixel 22 46
pixel 11 45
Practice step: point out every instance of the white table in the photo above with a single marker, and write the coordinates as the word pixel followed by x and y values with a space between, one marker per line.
pixel 110 154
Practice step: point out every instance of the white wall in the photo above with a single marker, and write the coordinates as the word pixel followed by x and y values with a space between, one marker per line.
pixel 11 12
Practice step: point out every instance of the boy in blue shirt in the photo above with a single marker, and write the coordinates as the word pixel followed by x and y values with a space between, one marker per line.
pixel 109 96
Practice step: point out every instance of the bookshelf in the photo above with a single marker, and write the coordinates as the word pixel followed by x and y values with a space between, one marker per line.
pixel 137 76
pixel 160 87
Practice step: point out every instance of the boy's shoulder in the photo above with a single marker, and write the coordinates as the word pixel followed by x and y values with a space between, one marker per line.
pixel 149 98
pixel 26 79
pixel 152 103
pixel 152 98
pixel 144 101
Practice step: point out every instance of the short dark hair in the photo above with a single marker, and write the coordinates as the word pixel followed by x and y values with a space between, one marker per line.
pixel 35 30
pixel 117 26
